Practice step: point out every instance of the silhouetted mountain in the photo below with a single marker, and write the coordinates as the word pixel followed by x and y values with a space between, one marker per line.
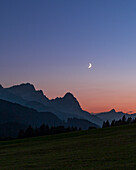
pixel 11 112
pixel 67 104
pixel 80 123
pixel 69 107
pixel 14 117
pixel 113 115
pixel 112 111
pixel 27 92
pixel 36 105
pixel 6 95
pixel 65 107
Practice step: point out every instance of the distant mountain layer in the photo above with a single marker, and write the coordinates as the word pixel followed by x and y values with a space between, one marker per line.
pixel 113 115
pixel 33 107
pixel 14 117
pixel 12 112
pixel 65 107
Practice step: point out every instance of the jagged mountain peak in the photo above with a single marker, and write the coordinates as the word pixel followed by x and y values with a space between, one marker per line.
pixel 40 92
pixel 24 86
pixel 28 92
pixel 69 98
pixel 69 95
pixel 64 107
pixel 68 104
pixel 113 110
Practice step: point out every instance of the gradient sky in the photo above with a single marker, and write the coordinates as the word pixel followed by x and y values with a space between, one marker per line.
pixel 50 42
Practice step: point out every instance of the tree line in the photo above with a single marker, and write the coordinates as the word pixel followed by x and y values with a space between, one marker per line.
pixel 119 122
pixel 44 130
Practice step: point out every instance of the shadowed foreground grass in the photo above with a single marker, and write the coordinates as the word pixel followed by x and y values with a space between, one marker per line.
pixel 109 148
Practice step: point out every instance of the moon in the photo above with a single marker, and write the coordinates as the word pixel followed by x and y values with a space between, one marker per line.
pixel 90 65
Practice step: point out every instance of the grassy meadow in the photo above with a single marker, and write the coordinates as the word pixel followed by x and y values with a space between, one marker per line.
pixel 109 148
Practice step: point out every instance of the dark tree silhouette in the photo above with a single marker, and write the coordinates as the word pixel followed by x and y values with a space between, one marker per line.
pixel 124 119
pixel 134 121
pixel 104 124
pixel 36 132
pixel 29 131
pixel 129 120
pixel 113 123
pixel 107 124
pixel 44 130
pixel 21 133
pixel 80 129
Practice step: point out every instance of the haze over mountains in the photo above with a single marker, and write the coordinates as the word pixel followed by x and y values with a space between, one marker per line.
pixel 64 108
pixel 14 117
pixel 113 115
pixel 25 105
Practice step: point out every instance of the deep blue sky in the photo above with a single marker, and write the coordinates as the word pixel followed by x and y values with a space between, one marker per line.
pixel 50 43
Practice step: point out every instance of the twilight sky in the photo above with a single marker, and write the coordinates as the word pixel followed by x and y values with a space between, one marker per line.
pixel 50 42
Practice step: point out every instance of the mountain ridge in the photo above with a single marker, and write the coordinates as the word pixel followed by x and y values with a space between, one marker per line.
pixel 14 116
pixel 113 115
pixel 64 107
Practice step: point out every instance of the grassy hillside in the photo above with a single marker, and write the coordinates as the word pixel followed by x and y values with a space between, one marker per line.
pixel 109 148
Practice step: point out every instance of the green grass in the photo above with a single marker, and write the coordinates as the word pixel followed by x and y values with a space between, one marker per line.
pixel 109 148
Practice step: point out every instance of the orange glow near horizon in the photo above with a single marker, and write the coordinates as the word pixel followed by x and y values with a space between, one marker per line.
pixel 102 101
pixel 106 104
pixel 93 100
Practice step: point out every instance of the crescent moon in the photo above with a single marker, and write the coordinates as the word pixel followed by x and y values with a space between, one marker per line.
pixel 90 65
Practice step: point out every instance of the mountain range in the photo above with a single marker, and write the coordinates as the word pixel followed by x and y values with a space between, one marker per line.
pixel 14 117
pixel 64 108
pixel 113 115
pixel 23 105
